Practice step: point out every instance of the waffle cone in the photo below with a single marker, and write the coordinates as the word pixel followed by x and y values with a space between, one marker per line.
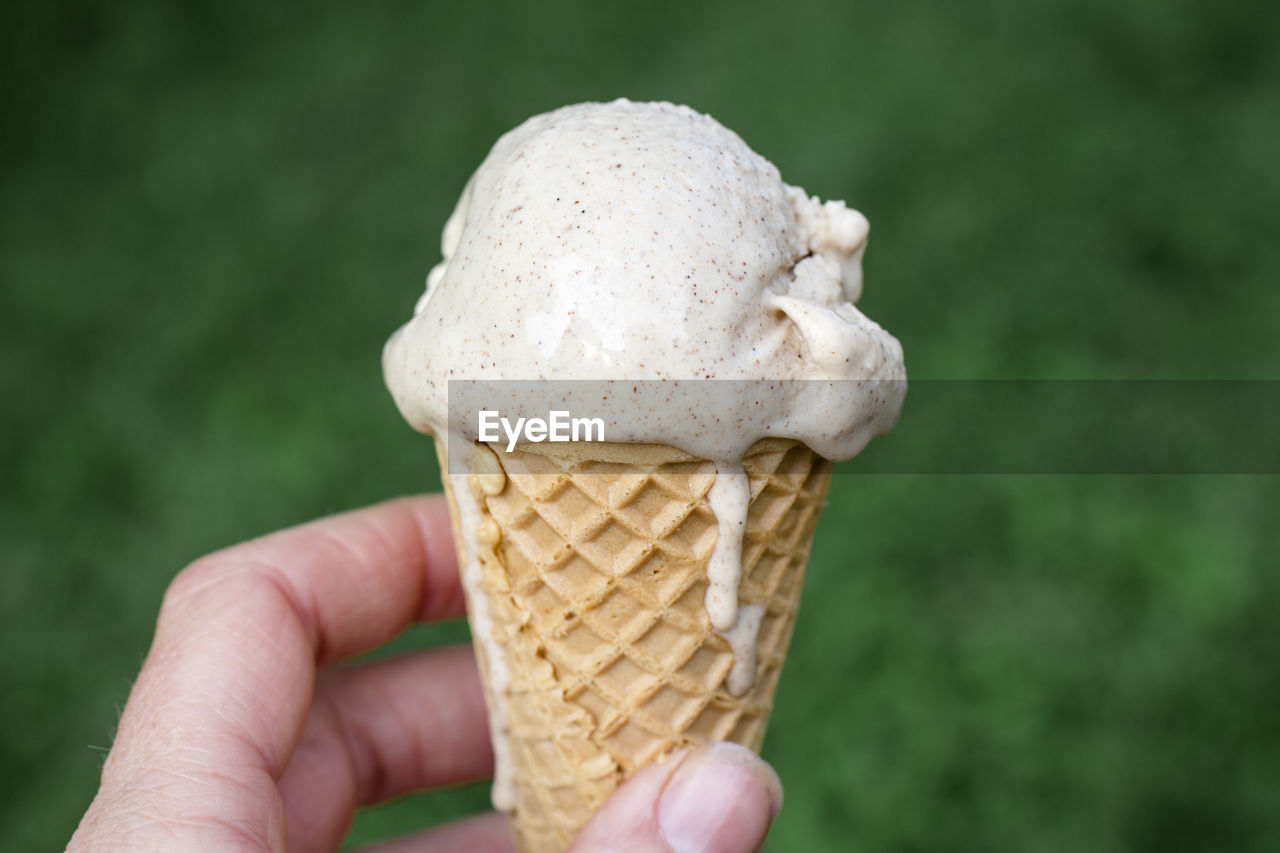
pixel 593 559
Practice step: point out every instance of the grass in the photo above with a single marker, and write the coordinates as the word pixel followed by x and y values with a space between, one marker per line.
pixel 211 220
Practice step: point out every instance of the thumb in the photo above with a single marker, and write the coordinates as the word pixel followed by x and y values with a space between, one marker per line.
pixel 719 798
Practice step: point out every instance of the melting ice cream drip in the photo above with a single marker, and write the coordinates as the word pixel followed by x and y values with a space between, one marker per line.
pixel 742 640
pixel 729 498
pixel 470 522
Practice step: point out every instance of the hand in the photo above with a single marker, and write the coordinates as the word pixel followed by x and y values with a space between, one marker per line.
pixel 240 734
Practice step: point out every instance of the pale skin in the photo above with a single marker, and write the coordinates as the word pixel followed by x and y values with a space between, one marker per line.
pixel 243 732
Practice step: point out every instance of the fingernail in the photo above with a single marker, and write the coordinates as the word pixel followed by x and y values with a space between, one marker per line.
pixel 721 799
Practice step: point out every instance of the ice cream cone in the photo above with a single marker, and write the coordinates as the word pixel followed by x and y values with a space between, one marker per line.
pixel 591 560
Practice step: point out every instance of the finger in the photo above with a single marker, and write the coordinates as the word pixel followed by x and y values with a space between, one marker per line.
pixel 221 699
pixel 719 798
pixel 355 580
pixel 383 729
pixel 486 833
pixel 241 631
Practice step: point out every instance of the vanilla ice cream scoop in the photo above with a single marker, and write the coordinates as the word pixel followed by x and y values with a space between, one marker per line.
pixel 645 241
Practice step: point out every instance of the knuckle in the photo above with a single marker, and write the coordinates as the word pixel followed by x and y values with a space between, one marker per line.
pixel 197 576
pixel 215 576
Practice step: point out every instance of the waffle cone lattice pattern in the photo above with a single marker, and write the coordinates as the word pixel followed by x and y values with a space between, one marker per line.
pixel 596 586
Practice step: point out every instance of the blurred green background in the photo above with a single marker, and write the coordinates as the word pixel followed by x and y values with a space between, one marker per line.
pixel 211 218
